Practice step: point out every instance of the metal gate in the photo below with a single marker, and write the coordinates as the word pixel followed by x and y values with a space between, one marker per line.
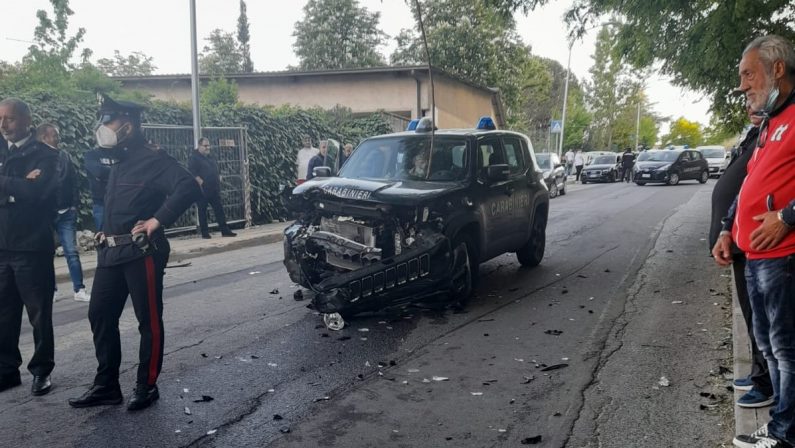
pixel 229 147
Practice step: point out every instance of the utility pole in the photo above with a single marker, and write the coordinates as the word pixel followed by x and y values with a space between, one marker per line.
pixel 565 101
pixel 637 128
pixel 194 76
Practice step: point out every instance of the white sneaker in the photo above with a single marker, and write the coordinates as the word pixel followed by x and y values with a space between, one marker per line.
pixel 82 296
pixel 750 440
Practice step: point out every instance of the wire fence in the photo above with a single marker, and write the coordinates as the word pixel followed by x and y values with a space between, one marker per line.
pixel 228 145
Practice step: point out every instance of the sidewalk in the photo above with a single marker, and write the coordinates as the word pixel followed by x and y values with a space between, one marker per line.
pixel 746 421
pixel 186 247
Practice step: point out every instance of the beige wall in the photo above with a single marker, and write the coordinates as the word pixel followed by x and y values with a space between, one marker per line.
pixel 460 106
pixel 457 104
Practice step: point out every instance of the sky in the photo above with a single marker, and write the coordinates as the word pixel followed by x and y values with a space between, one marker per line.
pixel 161 29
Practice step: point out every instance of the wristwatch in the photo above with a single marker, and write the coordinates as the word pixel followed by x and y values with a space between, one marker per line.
pixel 780 215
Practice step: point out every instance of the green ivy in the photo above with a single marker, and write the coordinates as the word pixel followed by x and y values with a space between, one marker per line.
pixel 274 136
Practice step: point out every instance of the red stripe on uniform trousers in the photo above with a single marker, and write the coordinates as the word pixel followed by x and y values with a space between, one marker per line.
pixel 154 322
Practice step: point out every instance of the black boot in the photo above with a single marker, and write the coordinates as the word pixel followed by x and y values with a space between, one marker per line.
pixel 98 396
pixel 143 397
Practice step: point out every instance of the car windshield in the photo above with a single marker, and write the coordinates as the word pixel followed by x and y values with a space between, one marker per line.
pixel 543 161
pixel 713 153
pixel 604 160
pixel 406 158
pixel 658 156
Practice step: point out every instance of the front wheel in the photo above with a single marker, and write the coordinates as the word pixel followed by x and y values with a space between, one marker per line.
pixel 553 190
pixel 704 177
pixel 532 252
pixel 465 269
pixel 674 179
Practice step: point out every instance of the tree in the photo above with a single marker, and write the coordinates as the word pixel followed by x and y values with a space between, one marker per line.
pixel 222 55
pixel 698 43
pixel 50 36
pixel 134 64
pixel 243 37
pixel 472 40
pixel 338 34
pixel 683 132
pixel 219 91
pixel 607 91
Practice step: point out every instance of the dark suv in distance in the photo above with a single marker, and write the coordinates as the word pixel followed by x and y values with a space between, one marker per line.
pixel 412 215
pixel 606 168
pixel 553 172
pixel 669 166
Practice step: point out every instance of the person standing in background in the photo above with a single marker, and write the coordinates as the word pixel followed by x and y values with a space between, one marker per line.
pixel 204 168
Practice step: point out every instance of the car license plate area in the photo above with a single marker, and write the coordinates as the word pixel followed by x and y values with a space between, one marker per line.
pixel 645 176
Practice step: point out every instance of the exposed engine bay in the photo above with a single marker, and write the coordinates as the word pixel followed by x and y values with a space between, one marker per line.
pixel 358 258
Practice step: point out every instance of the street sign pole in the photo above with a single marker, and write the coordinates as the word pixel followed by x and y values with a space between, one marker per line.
pixel 194 76
pixel 565 100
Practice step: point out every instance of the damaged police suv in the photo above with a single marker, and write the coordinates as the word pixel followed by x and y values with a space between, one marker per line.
pixel 411 215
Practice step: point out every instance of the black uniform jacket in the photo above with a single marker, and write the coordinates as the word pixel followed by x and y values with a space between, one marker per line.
pixel 68 195
pixel 27 207
pixel 728 186
pixel 97 167
pixel 145 183
pixel 206 168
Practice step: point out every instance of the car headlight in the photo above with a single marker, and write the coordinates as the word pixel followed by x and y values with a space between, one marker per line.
pixel 664 167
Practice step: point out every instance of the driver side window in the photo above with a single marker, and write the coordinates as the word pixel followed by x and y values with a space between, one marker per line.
pixel 489 153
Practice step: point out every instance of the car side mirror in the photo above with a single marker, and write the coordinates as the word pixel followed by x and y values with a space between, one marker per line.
pixel 497 172
pixel 321 171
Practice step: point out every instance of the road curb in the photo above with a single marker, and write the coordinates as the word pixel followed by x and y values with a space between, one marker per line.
pixel 177 255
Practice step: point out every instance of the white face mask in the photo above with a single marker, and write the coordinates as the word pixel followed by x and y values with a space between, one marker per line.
pixel 772 96
pixel 106 137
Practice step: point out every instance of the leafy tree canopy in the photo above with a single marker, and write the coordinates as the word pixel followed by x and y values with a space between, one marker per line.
pixel 684 132
pixel 243 37
pixel 222 54
pixel 338 34
pixel 134 64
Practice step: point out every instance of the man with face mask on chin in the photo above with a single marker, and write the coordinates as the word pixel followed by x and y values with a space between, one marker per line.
pixel 761 222
pixel 147 190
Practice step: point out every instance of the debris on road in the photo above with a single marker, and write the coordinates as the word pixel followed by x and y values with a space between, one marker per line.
pixel 535 440
pixel 677 302
pixel 440 378
pixel 554 332
pixel 321 399
pixel 298 295
pixel 203 399
pixel 477 394
pixel 211 432
pixel 284 430
pixel 554 367
pixel 275 291
pixel 664 382
pixel 254 273
pixel 277 417
pixel 528 379
pixel 187 411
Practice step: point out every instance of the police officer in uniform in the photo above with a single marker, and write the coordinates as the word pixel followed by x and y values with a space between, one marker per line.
pixel 147 190
pixel 28 181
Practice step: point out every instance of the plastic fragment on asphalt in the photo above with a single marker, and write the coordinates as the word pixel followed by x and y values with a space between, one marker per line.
pixel 211 432
pixel 362 339
pixel 664 382
pixel 204 355
pixel 367 363
pixel 426 380
pixel 185 390
pixel 440 378
pixel 554 367
pixel 364 330
pixel 178 431
pixel 321 399
pixel 531 440
pixel 528 379
pixel 187 411
pixel 275 291
pixel 277 417
pixel 272 364
pixel 564 359
pixel 677 302
pixel 270 391
pixel 518 359
pixel 204 399
pixel 554 332
pixel 414 370
pixel 284 430
pixel 254 357
pixel 254 273
pixel 477 394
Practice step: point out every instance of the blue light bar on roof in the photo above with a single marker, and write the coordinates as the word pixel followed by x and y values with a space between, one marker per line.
pixel 412 125
pixel 486 123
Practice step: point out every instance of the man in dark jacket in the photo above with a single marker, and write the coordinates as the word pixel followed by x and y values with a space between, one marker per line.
pixel 627 162
pixel 68 199
pixel 318 160
pixel 27 277
pixel 205 169
pixel 757 384
pixel 97 164
pixel 147 191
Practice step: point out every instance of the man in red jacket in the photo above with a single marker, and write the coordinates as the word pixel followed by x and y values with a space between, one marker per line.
pixel 761 222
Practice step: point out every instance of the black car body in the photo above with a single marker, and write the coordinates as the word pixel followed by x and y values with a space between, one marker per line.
pixel 553 172
pixel 378 236
pixel 605 168
pixel 669 166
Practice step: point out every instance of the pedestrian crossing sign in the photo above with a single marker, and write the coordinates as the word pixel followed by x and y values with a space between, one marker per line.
pixel 555 126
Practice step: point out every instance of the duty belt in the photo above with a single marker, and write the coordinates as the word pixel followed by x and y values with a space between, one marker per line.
pixel 117 240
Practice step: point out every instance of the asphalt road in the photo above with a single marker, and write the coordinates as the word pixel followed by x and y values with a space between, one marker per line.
pixel 625 295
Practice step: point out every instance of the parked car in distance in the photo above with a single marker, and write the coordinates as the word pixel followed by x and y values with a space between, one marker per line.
pixel 669 166
pixel 553 172
pixel 590 155
pixel 717 159
pixel 605 168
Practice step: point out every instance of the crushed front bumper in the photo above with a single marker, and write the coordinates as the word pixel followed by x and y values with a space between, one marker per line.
pixel 420 272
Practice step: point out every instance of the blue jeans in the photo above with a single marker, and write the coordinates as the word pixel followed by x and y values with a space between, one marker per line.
pixel 98 210
pixel 65 227
pixel 771 289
